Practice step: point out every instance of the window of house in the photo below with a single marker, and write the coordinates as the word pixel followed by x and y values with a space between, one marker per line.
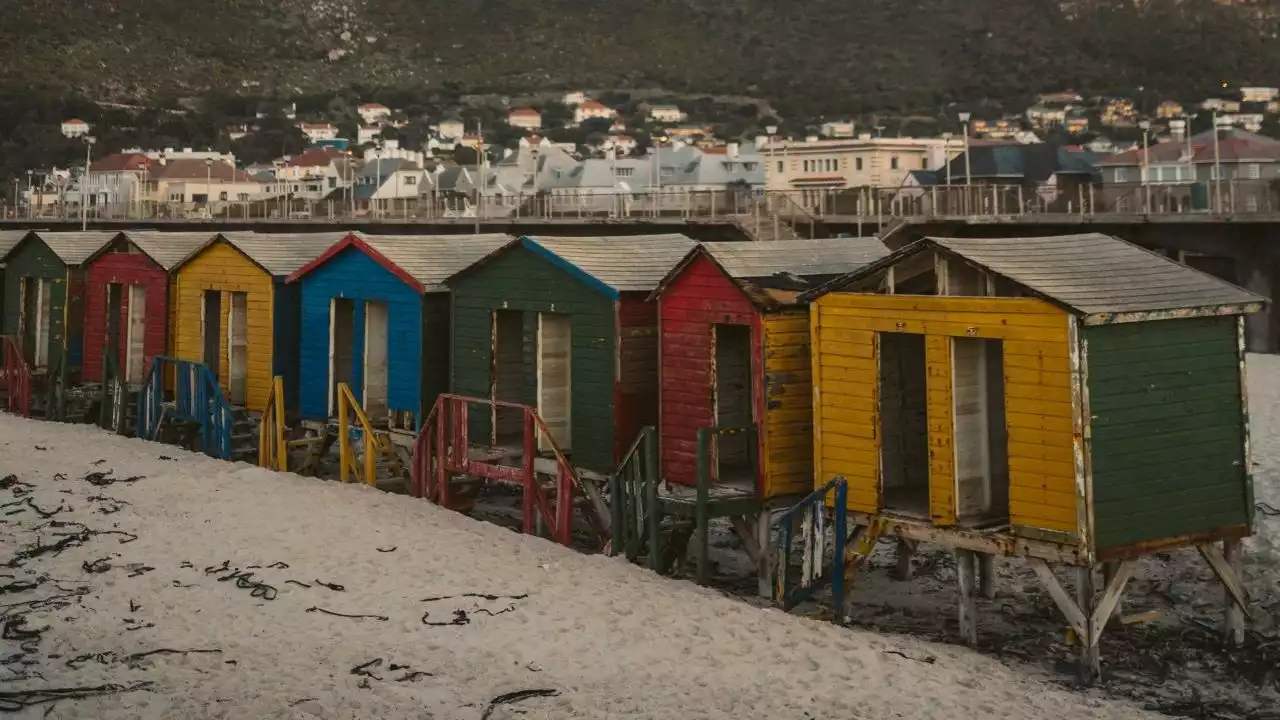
pixel 857 163
pixel 222 196
pixel 893 163
pixel 175 197
pixel 410 180
pixel 668 172
pixel 780 168
pixel 242 197
pixel 924 163
pixel 624 171
pixel 1251 203
pixel 1215 172
pixel 1252 171
pixel 749 167
pixel 806 166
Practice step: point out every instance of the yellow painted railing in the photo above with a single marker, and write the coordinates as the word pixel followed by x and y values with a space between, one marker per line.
pixel 348 406
pixel 273 448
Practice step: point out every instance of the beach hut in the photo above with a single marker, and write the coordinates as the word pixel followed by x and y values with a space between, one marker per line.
pixel 564 325
pixel 44 306
pixel 734 352
pixel 1073 400
pixel 376 317
pixel 233 312
pixel 8 238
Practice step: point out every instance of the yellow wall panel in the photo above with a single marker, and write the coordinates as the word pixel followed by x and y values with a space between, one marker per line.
pixel 942 478
pixel 788 415
pixel 844 401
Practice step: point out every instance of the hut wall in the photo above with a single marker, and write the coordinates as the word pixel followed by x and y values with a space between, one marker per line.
pixel 1168 429
pixel 34 259
pixel 522 281
pixel 222 268
pixel 124 268
pixel 1037 387
pixel 353 275
pixel 637 386
pixel 690 305
pixel 787 432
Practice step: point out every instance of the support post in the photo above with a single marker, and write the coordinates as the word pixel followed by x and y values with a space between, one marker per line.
pixel 906 550
pixel 1090 658
pixel 702 509
pixel 764 540
pixel 965 572
pixel 1234 630
pixel 987 575
pixel 1109 571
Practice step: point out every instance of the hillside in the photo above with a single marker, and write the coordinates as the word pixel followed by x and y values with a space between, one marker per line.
pixel 833 56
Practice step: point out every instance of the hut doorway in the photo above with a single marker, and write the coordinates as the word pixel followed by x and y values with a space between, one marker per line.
pixel 981 440
pixel 238 348
pixel 135 333
pixel 555 385
pixel 904 423
pixel 211 331
pixel 508 373
pixel 342 331
pixel 375 361
pixel 36 314
pixel 111 330
pixel 731 371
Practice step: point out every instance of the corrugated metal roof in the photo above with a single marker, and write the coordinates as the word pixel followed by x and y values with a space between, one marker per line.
pixel 168 249
pixel 1098 274
pixel 430 259
pixel 627 263
pixel 8 239
pixel 282 253
pixel 804 258
pixel 73 248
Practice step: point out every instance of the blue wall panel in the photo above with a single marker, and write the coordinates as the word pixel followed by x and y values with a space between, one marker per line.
pixel 287 328
pixel 353 275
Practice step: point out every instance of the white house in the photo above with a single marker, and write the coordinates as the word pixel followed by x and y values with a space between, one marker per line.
pixel 451 129
pixel 366 134
pixel 666 114
pixel 837 129
pixel 525 118
pixel 319 131
pixel 592 109
pixel 574 99
pixel 373 113
pixel 1259 94
pixel 1249 121
pixel 620 144
pixel 75 127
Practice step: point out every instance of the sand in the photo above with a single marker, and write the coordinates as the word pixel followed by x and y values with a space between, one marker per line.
pixel 612 640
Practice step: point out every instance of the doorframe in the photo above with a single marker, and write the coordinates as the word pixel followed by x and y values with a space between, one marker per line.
pixel 330 389
pixel 231 346
pixel 568 409
pixel 128 340
pixel 386 354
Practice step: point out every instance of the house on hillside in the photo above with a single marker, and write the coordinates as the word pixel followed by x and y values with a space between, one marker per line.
pixel 666 114
pixel 373 113
pixel 388 186
pixel 116 183
pixel 74 128
pixel 1017 176
pixel 592 109
pixel 200 182
pixel 525 118
pixel 319 131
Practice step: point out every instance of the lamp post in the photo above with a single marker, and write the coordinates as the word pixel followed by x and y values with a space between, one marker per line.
pixel 208 185
pixel 377 186
pixel 946 154
pixel 1217 166
pixel 964 122
pixel 771 130
pixel 1146 165
pixel 84 183
pixel 30 182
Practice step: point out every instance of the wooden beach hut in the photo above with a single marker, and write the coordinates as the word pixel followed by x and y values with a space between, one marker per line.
pixel 44 306
pixel 376 317
pixel 234 313
pixel 564 325
pixel 734 352
pixel 8 238
pixel 1073 400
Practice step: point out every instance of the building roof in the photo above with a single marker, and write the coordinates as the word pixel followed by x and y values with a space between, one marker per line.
pixel 1234 145
pixel 193 169
pixel 119 162
pixel 73 248
pixel 315 157
pixel 9 239
pixel 280 254
pixel 422 261
pixel 373 106
pixel 1026 163
pixel 167 249
pixel 74 121
pixel 1102 278
pixel 592 105
pixel 528 112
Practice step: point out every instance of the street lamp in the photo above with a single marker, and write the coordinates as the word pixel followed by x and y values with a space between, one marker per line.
pixel 377 187
pixel 771 130
pixel 1217 166
pixel 208 185
pixel 30 181
pixel 879 130
pixel 1146 164
pixel 964 121
pixel 89 140
pixel 946 154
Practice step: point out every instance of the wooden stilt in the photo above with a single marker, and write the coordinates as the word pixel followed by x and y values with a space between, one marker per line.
pixel 1226 565
pixel 906 550
pixel 1090 658
pixel 1108 575
pixel 987 575
pixel 764 542
pixel 966 567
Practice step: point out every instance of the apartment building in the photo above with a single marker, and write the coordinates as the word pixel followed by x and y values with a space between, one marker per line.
pixel 809 168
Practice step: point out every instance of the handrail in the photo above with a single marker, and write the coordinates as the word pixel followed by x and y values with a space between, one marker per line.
pixel 702 510
pixel 633 488
pixel 197 398
pixel 272 445
pixel 812 513
pixel 17 376
pixel 372 444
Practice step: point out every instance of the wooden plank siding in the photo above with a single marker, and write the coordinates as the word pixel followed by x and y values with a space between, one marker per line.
pixel 1038 398
pixel 222 268
pixel 787 430
pixel 1167 436
pixel 520 280
pixel 689 306
pixel 33 259
pixel 353 275
pixel 124 267
pixel 637 385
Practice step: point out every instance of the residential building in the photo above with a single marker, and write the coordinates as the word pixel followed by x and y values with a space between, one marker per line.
pixel 525 118
pixel 1077 124
pixel 366 134
pixel 1117 111
pixel 666 114
pixel 117 181
pixel 388 185
pixel 837 129
pixel 1169 109
pixel 310 164
pixel 288 110
pixel 825 165
pixel 619 126
pixel 319 131
pixel 574 99
pixel 200 182
pixel 690 133
pixel 1221 105
pixel 185 154
pixel 1020 177
pixel 452 129
pixel 373 113
pixel 1259 94
pixel 1001 129
pixel 591 109
pixel 390 149
pixel 235 132
pixel 74 128
pixel 1043 117
pixel 1273 107
pixel 1065 100
pixel 1249 121
pixel 619 144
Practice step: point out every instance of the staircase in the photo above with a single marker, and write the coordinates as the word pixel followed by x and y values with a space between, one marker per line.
pixel 195 408
pixel 817 567
pixel 765 227
pixel 366 452
pixel 449 470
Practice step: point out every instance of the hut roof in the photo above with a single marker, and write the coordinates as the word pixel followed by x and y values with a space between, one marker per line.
pixel 282 253
pixel 1100 277
pixel 73 248
pixel 422 261
pixel 9 239
pixel 167 249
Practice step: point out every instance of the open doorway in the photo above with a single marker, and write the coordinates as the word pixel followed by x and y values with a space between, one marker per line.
pixel 36 317
pixel 733 398
pixel 111 349
pixel 238 349
pixel 555 384
pixel 375 361
pixel 981 440
pixel 135 334
pixel 211 331
pixel 904 423
pixel 342 331
pixel 508 376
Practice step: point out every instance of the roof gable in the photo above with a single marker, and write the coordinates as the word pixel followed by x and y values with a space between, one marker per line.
pixel 166 249
pixel 72 248
pixel 281 254
pixel 9 239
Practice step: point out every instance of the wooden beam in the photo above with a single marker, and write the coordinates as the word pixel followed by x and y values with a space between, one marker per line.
pixel 1119 577
pixel 1227 575
pixel 906 550
pixel 747 534
pixel 1059 594
pixel 1090 658
pixel 987 575
pixel 966 570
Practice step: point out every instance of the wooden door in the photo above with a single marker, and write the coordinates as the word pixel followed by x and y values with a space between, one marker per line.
pixel 555 386
pixel 44 293
pixel 375 361
pixel 238 348
pixel 211 331
pixel 341 347
pixel 135 348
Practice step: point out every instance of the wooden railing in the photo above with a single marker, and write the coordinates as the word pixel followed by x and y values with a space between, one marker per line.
pixel 816 570
pixel 17 376
pixel 373 445
pixel 633 491
pixel 273 447
pixel 196 398
pixel 706 437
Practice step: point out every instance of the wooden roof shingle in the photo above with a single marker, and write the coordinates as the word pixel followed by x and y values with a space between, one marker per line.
pixel 431 259
pixel 168 249
pixel 280 254
pixel 631 263
pixel 73 248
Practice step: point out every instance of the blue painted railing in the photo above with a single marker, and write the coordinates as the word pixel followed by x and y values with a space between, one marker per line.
pixel 196 398
pixel 816 570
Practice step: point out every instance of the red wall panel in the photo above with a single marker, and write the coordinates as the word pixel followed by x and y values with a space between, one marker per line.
pixel 126 269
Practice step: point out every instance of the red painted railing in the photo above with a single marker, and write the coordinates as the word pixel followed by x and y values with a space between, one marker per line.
pixel 17 377
pixel 443 449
